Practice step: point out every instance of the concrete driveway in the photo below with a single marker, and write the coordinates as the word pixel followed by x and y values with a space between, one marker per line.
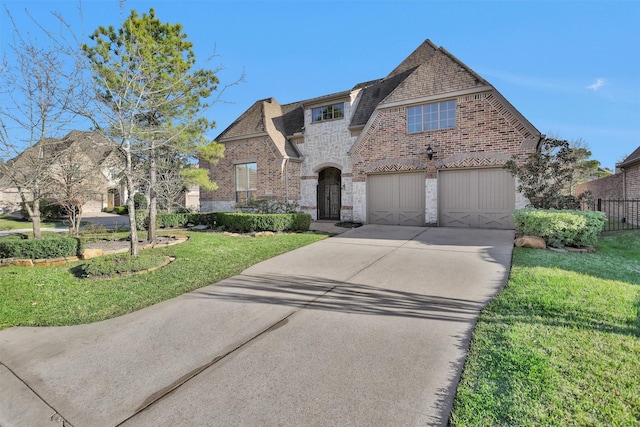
pixel 370 327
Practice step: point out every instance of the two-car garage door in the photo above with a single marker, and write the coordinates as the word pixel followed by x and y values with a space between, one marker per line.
pixel 476 198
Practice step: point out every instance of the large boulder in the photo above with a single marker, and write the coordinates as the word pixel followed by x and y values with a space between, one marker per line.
pixel 91 253
pixel 531 242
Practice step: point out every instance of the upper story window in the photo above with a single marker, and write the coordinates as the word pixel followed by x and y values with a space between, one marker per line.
pixel 439 115
pixel 328 112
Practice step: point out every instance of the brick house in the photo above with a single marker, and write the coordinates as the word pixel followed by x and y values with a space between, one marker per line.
pixel 624 184
pixel 89 151
pixel 621 190
pixel 423 145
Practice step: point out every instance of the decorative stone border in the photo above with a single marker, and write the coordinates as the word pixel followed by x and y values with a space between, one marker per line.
pixel 86 254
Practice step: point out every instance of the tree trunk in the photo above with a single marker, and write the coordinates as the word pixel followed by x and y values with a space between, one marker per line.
pixel 35 218
pixel 153 195
pixel 132 207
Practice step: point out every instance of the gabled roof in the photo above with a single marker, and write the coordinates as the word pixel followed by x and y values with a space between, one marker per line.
pixel 631 158
pixel 268 117
pixel 429 68
pixel 95 146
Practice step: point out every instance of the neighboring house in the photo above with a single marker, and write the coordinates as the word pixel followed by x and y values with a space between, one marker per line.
pixel 624 184
pixel 618 195
pixel 96 157
pixel 423 145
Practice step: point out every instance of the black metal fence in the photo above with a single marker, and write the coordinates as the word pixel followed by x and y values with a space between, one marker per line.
pixel 621 214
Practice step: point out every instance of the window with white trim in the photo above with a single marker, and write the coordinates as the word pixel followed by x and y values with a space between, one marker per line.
pixel 438 115
pixel 328 112
pixel 246 181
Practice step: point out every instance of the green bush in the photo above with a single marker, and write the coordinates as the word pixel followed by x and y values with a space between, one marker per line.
pixel 270 206
pixel 119 264
pixel 40 249
pixel 244 223
pixel 165 220
pixel 121 210
pixel 204 218
pixel 49 210
pixel 140 201
pixel 173 220
pixel 560 228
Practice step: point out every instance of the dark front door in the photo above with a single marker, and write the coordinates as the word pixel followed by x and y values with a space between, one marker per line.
pixel 329 194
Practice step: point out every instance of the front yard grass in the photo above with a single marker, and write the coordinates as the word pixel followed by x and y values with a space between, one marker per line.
pixel 10 223
pixel 560 345
pixel 53 296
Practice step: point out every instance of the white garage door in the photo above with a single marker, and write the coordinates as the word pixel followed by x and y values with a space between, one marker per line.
pixel 396 199
pixel 478 198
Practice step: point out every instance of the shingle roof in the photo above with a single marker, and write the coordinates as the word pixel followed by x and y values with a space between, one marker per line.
pixel 267 116
pixel 631 158
pixel 373 94
pixel 282 121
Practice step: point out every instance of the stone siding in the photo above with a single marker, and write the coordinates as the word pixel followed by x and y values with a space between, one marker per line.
pixel 431 201
pixel 326 144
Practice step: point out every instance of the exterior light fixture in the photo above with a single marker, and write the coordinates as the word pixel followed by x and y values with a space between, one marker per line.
pixel 430 152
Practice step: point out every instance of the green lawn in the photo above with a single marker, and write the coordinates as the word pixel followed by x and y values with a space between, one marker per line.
pixel 47 296
pixel 10 223
pixel 560 345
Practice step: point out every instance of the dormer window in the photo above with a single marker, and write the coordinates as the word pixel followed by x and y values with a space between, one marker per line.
pixel 328 112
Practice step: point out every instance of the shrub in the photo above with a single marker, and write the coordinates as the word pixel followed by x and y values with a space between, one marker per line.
pixel 121 210
pixel 270 206
pixel 119 264
pixel 166 220
pixel 140 201
pixel 243 222
pixel 49 210
pixel 41 248
pixel 173 220
pixel 560 228
pixel 204 218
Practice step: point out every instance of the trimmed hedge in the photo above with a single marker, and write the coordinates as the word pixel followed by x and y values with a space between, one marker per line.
pixel 40 249
pixel 560 228
pixel 164 220
pixel 245 223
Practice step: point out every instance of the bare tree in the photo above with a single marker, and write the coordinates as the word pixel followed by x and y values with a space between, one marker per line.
pixel 39 85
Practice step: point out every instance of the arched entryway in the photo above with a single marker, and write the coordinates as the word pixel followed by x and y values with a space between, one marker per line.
pixel 329 193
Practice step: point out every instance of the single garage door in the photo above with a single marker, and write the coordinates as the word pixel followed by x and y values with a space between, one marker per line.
pixel 478 198
pixel 396 199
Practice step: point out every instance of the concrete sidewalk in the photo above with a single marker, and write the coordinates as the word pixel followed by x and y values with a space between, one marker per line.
pixel 370 327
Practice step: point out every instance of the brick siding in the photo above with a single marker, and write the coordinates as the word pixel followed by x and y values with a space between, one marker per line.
pixel 272 176
pixel 483 136
pixel 609 187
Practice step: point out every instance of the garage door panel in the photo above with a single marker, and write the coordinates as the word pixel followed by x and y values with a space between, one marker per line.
pixel 396 199
pixel 483 198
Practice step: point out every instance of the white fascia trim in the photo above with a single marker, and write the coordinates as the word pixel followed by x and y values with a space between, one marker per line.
pixel 431 98
pixel 238 138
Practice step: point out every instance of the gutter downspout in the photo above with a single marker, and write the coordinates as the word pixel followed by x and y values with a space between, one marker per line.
pixel 286 180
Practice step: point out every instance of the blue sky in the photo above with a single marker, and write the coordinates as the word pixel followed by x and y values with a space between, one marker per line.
pixel 571 67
